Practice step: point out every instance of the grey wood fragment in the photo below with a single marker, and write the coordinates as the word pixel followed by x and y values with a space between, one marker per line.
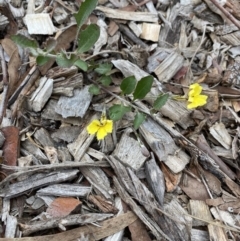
pixel 97 178
pixel 11 227
pixel 163 145
pixel 41 94
pixel 2 139
pixel 64 154
pixel 169 67
pixel 36 181
pixel 74 106
pixel 5 209
pixel 43 137
pixel 34 150
pixel 66 133
pixel 66 221
pixel 155 179
pixel 128 150
pixel 199 235
pixel 3 22
pixel 67 190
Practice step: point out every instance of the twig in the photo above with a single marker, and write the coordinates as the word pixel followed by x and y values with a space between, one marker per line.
pixel 5 86
pixel 226 13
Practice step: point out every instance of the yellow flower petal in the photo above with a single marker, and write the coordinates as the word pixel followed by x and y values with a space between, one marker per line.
pixel 195 89
pixel 108 126
pixel 93 127
pixel 101 133
pixel 196 101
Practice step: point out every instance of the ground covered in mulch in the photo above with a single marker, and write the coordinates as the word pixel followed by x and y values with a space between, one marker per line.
pixel 176 177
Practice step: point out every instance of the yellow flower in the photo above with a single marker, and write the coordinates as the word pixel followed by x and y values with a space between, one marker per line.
pixel 194 97
pixel 102 127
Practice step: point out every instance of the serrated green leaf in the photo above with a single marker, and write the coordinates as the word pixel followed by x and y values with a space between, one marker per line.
pixel 105 80
pixel 88 37
pixel 128 85
pixel 143 87
pixel 160 101
pixel 94 90
pixel 66 61
pixel 116 112
pixel 81 64
pixel 41 60
pixel 138 120
pixel 24 42
pixel 84 11
pixel 104 68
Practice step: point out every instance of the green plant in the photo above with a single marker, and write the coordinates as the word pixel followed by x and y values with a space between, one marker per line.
pixel 86 37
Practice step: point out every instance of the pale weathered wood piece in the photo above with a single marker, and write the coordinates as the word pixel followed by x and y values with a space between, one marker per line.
pixel 97 178
pixel 66 133
pixel 200 210
pixel 36 181
pixel 2 139
pixel 150 31
pixel 164 146
pixel 34 150
pixel 75 106
pixel 41 94
pixel 216 233
pixel 177 112
pixel 128 150
pixel 11 226
pixel 151 224
pixel 220 133
pixel 96 154
pixel 169 67
pixel 182 220
pixel 66 221
pixel 40 23
pixel 43 137
pixel 3 22
pixel 155 179
pixel 125 15
pixel 199 235
pixel 67 190
pixel 65 91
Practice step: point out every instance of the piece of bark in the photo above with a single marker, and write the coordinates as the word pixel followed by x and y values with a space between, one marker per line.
pixel 92 232
pixel 3 22
pixel 150 32
pixel 42 94
pixel 125 15
pixel 137 229
pixel 164 146
pixel 97 178
pixel 199 235
pixel 10 147
pixel 40 23
pixel 69 190
pixel 200 210
pixel 104 205
pixel 66 221
pixel 129 151
pixel 225 216
pixel 155 179
pixel 75 106
pixel 43 137
pixel 169 67
pixel 220 133
pixel 177 111
pixel 11 227
pixel 216 233
pixel 36 181
pixel 51 153
pixel 2 139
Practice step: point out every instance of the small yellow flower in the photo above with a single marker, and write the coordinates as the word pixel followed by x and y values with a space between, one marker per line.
pixel 194 97
pixel 102 127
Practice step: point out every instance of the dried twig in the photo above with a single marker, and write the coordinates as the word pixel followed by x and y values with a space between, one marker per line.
pixel 5 85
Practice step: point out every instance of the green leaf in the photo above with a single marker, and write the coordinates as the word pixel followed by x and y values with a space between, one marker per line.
pixel 66 61
pixel 94 90
pixel 105 80
pixel 138 120
pixel 84 11
pixel 81 64
pixel 160 101
pixel 104 68
pixel 128 85
pixel 143 87
pixel 24 42
pixel 88 37
pixel 116 112
pixel 41 60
